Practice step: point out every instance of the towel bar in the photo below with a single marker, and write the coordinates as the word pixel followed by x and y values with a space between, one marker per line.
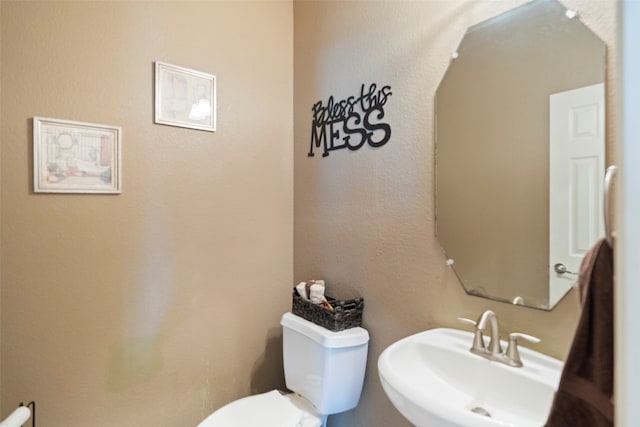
pixel 32 406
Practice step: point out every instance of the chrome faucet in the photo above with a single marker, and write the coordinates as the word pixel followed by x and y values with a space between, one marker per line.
pixel 494 352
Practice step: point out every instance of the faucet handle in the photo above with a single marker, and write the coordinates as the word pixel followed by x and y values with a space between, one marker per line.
pixel 515 335
pixel 467 321
pixel 512 353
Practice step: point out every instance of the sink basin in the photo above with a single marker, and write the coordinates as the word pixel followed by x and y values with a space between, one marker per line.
pixel 433 380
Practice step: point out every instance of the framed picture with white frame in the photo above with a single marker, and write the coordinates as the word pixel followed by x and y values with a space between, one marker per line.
pixel 184 97
pixel 76 157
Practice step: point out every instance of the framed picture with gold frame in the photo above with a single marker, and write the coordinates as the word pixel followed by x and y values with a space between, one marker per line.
pixel 76 157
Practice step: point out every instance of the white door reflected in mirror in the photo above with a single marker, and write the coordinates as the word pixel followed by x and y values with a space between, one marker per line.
pixel 576 168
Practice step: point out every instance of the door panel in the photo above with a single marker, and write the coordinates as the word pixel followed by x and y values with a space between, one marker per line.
pixel 576 171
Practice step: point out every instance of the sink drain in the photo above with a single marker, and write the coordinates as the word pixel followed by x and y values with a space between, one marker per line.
pixel 481 411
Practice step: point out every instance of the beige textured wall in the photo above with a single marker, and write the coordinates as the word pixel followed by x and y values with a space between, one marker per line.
pixel 364 220
pixel 153 307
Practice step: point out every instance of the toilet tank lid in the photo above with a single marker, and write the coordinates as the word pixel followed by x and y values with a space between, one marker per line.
pixel 347 338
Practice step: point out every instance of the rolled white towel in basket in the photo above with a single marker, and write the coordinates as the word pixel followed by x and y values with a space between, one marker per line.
pixel 316 291
pixel 313 291
pixel 17 417
pixel 302 290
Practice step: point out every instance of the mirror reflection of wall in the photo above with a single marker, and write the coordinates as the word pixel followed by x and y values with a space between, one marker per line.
pixel 492 148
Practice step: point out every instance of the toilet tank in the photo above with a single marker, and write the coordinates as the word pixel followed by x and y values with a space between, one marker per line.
pixel 325 367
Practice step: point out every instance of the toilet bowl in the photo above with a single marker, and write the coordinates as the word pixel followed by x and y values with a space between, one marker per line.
pixel 323 369
pixel 271 409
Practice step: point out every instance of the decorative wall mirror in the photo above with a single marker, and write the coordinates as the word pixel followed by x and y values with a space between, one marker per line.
pixel 520 154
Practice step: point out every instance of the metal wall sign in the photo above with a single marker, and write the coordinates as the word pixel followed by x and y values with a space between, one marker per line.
pixel 352 122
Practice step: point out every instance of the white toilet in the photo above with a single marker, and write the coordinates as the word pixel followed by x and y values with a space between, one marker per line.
pixel 324 369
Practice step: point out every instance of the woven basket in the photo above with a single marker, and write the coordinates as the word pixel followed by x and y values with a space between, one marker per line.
pixel 346 314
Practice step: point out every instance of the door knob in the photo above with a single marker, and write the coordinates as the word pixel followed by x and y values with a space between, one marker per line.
pixel 560 268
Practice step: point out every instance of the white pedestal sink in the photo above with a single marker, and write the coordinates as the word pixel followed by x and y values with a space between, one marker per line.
pixel 434 381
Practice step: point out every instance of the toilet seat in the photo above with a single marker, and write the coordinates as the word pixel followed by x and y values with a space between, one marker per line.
pixel 270 409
